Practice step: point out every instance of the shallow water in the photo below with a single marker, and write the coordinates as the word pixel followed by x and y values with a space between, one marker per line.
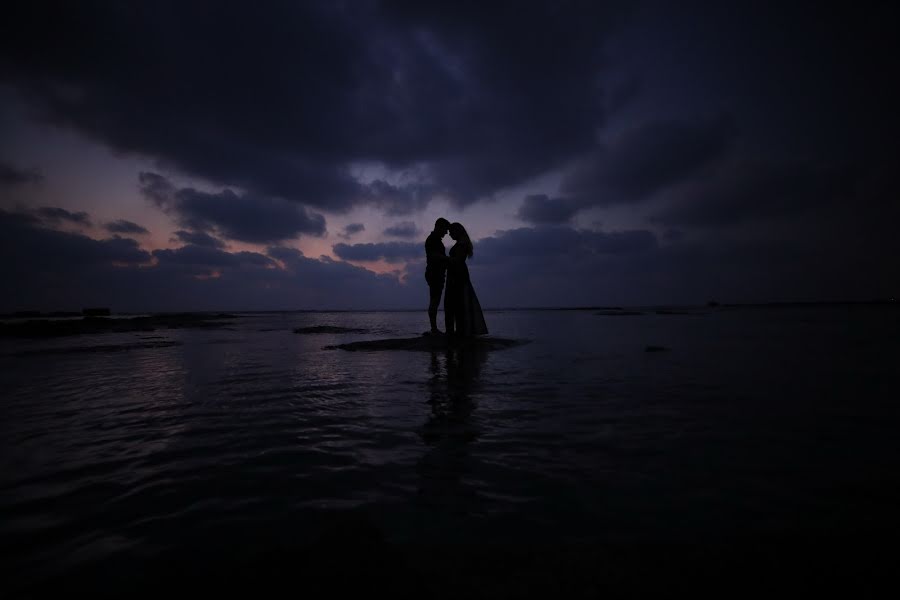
pixel 750 420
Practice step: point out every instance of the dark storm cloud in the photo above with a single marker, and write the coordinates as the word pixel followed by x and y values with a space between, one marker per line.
pixel 647 159
pixel 398 200
pixel 542 210
pixel 157 188
pixel 390 251
pixel 404 229
pixel 50 270
pixel 210 257
pixel 18 220
pixel 282 102
pixel 751 191
pixel 10 175
pixel 198 238
pixel 215 280
pixel 246 218
pixel 285 254
pixel 238 217
pixel 461 101
pixel 624 93
pixel 524 78
pixel 558 243
pixel 53 214
pixel 560 266
pixel 546 266
pixel 351 283
pixel 673 235
pixel 351 230
pixel 34 246
pixel 123 226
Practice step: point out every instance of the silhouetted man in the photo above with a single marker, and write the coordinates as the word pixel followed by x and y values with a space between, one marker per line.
pixel 436 268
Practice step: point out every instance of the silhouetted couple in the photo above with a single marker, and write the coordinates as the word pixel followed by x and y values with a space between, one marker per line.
pixel 462 312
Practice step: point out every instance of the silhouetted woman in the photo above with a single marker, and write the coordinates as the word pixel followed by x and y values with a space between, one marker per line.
pixel 462 312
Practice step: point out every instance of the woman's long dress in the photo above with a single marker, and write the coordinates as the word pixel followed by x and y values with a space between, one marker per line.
pixel 462 312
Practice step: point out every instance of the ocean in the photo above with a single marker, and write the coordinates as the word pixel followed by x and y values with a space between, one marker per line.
pixel 709 427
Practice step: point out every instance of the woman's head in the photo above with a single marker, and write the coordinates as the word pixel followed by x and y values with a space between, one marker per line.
pixel 459 233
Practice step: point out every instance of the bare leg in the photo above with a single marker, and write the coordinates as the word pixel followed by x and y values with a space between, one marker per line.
pixel 432 314
pixel 434 302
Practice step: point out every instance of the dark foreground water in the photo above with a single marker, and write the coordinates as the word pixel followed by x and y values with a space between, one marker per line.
pixel 250 454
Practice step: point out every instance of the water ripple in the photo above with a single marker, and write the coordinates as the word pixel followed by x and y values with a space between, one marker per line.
pixel 109 453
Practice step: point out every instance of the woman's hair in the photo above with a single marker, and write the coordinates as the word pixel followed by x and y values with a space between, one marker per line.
pixel 463 236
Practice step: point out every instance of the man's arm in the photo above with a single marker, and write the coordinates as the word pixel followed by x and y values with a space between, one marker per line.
pixel 435 252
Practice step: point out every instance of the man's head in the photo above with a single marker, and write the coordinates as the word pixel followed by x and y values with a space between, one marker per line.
pixel 441 226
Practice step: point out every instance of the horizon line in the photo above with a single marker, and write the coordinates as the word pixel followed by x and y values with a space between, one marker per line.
pixel 708 305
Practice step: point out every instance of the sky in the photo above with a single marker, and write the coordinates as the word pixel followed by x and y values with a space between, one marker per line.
pixel 262 155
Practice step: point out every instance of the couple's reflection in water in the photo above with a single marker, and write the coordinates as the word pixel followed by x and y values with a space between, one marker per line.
pixel 450 429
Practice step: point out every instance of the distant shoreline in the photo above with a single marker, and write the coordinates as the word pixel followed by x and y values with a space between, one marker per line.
pixel 33 314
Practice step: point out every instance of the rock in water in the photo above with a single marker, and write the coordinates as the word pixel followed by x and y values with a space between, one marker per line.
pixel 432 343
pixel 328 329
